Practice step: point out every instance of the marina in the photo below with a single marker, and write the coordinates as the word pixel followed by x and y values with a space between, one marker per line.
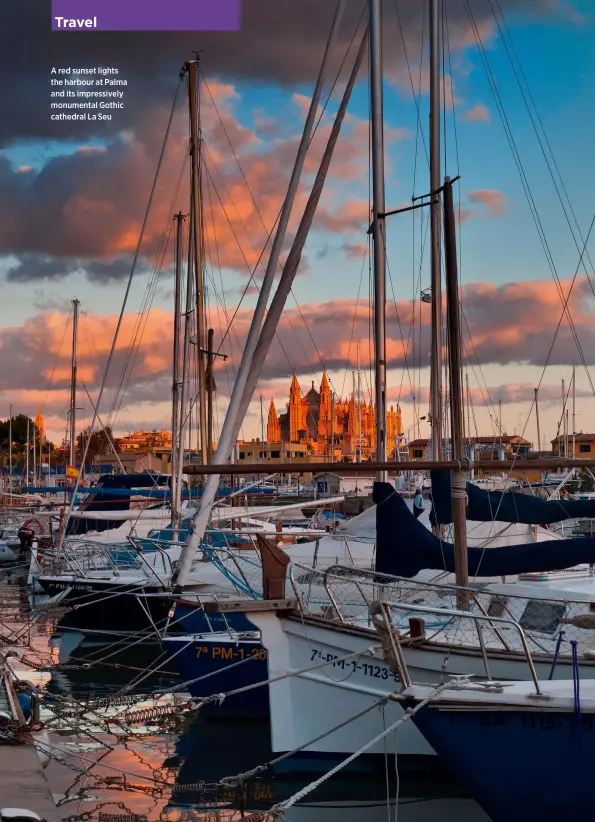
pixel 226 595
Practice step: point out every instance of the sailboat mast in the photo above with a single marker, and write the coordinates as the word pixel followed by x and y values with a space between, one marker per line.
pixel 332 426
pixel 359 407
pixel 573 411
pixel 378 228
pixel 10 453
pixel 354 417
pixel 193 69
pixel 263 453
pixel 177 440
pixel 73 370
pixel 27 457
pixel 262 330
pixel 564 435
pixel 210 391
pixel 537 420
pixel 459 478
pixel 435 233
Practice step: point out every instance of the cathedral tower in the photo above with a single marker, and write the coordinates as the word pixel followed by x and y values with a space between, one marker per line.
pixel 273 427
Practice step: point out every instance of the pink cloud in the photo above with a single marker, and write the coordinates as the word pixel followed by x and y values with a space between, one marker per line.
pixel 477 114
pixel 495 202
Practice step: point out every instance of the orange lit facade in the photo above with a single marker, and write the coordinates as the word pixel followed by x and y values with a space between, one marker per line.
pixel 322 423
pixel 146 441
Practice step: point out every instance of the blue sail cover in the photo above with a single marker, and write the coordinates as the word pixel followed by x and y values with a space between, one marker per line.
pixel 503 506
pixel 100 499
pixel 404 547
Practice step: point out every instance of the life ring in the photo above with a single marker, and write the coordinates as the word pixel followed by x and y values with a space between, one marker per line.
pixel 34 521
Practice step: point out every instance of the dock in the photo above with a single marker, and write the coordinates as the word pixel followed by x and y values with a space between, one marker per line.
pixel 22 780
pixel 23 783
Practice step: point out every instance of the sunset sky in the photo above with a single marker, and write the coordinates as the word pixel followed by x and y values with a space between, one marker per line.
pixel 73 197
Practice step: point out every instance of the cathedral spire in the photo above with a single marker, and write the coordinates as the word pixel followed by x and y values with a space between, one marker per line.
pixel 40 425
pixel 273 427
pixel 295 391
pixel 325 421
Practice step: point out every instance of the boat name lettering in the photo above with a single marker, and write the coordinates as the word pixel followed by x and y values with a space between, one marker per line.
pixel 353 665
pixel 62 587
pixel 220 652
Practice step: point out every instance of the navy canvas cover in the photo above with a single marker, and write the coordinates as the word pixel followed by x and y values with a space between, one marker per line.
pixel 404 546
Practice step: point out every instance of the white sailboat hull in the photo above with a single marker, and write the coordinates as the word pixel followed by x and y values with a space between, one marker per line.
pixel 306 704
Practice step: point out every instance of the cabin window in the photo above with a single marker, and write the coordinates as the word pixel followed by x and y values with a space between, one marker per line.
pixel 418 453
pixel 242 456
pixel 584 448
pixel 275 455
pixel 497 607
pixel 543 616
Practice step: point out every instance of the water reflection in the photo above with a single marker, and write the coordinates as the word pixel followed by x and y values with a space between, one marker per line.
pixel 113 777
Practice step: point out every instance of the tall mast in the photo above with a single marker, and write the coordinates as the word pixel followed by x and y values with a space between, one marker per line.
pixel 27 457
pixel 573 411
pixel 459 478
pixel 186 337
pixel 10 453
pixel 359 406
pixel 435 235
pixel 258 339
pixel 193 70
pixel 72 421
pixel 262 431
pixel 332 426
pixel 210 391
pixel 177 439
pixel 537 420
pixel 378 228
pixel 34 459
pixel 564 440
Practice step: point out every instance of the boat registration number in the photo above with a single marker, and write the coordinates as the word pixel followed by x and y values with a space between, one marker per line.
pixel 221 652
pixel 353 665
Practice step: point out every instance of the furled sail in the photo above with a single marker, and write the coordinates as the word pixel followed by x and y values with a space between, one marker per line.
pixel 104 497
pixel 404 546
pixel 503 506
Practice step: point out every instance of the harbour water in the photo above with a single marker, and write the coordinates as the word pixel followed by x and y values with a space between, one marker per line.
pixel 174 771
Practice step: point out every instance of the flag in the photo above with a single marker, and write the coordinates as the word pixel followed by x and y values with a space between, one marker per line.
pixel 71 471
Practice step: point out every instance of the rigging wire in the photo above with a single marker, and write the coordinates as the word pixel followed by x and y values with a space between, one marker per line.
pixel 525 184
pixel 128 289
pixel 149 295
pixel 323 110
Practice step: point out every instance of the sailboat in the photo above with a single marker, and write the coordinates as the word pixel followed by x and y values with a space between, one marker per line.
pixel 332 674
pixel 520 728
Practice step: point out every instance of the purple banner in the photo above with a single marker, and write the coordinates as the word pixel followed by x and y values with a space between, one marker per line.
pixel 146 15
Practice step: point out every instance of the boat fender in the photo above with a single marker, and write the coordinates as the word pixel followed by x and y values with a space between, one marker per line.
pixel 5 718
pixel 25 703
pixel 19 815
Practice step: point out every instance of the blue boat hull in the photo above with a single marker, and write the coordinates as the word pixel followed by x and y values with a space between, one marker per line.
pixel 531 765
pixel 223 665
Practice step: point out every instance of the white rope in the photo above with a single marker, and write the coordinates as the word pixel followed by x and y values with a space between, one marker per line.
pixel 289 803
